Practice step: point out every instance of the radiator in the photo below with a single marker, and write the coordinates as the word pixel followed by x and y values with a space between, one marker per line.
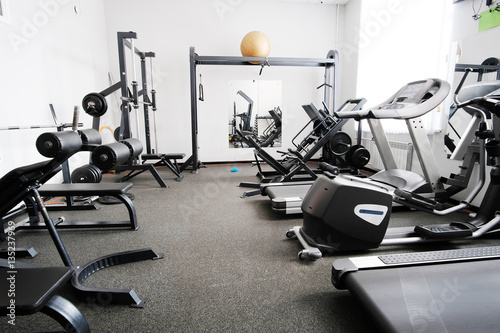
pixel 402 152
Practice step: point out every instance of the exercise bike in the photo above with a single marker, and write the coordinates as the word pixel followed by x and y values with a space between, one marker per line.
pixel 349 213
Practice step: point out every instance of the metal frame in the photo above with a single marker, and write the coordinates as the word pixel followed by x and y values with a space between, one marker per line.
pixel 195 60
pixel 480 69
pixel 467 137
pixel 129 97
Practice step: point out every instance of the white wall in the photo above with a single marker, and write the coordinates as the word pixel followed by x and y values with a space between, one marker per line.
pixel 215 28
pixel 49 54
pixel 348 48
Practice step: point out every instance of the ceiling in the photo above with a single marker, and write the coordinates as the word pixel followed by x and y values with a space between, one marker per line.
pixel 318 2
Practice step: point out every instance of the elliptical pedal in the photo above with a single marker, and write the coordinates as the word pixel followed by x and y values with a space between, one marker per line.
pixel 453 230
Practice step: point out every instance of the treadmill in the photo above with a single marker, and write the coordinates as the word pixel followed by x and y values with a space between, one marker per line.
pixel 437 291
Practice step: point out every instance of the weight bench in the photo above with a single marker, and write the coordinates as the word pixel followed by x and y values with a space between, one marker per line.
pixel 36 290
pixel 23 182
pixel 116 190
pixel 169 160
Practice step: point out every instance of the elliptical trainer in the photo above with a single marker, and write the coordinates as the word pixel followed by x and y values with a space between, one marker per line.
pixel 331 224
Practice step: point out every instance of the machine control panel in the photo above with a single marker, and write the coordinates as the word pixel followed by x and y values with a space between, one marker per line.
pixel 412 100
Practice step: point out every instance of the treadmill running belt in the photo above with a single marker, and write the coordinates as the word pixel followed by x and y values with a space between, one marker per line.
pixel 446 297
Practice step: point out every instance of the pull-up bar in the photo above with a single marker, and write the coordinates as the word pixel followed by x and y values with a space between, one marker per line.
pixel 328 63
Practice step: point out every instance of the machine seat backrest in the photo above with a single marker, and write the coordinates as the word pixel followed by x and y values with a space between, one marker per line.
pixel 14 185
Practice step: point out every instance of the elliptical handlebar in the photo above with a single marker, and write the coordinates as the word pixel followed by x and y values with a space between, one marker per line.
pixel 491 102
pixel 460 84
pixel 327 167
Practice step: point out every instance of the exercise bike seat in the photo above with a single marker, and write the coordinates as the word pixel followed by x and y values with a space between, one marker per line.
pixel 412 100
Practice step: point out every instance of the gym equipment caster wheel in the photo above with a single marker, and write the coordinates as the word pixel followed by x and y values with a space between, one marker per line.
pixel 290 234
pixel 310 254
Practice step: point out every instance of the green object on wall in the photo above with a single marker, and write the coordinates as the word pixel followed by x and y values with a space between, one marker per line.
pixel 489 19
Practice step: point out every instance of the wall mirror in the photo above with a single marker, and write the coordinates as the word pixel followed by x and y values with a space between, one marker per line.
pixel 254 112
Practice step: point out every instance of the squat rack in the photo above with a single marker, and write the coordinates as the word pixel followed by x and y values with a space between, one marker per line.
pixel 195 60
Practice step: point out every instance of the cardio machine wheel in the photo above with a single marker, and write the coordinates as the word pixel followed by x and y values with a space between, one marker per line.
pixel 290 234
pixel 309 254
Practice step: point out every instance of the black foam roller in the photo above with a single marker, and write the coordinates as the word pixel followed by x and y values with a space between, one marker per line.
pixel 134 145
pixel 108 156
pixel 51 144
pixel 90 136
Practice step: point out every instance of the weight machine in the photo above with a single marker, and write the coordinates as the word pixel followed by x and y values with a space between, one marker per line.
pixel 270 134
pixel 88 173
pixel 24 183
pixel 88 140
pixel 95 105
pixel 325 127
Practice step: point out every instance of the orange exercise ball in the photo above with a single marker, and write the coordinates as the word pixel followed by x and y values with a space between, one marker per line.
pixel 255 44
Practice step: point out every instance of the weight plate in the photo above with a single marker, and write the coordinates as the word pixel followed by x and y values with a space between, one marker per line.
pixel 116 133
pixel 340 143
pixel 95 104
pixel 357 156
pixel 86 174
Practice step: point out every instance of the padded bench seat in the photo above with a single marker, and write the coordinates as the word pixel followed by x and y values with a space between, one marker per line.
pixel 84 189
pixel 36 290
pixel 117 190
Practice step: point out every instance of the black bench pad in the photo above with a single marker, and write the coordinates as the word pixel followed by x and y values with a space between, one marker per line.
pixel 35 290
pixel 172 156
pixel 33 287
pixel 84 189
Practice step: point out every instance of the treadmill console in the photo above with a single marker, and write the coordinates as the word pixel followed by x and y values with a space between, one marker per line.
pixel 411 101
pixel 405 94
